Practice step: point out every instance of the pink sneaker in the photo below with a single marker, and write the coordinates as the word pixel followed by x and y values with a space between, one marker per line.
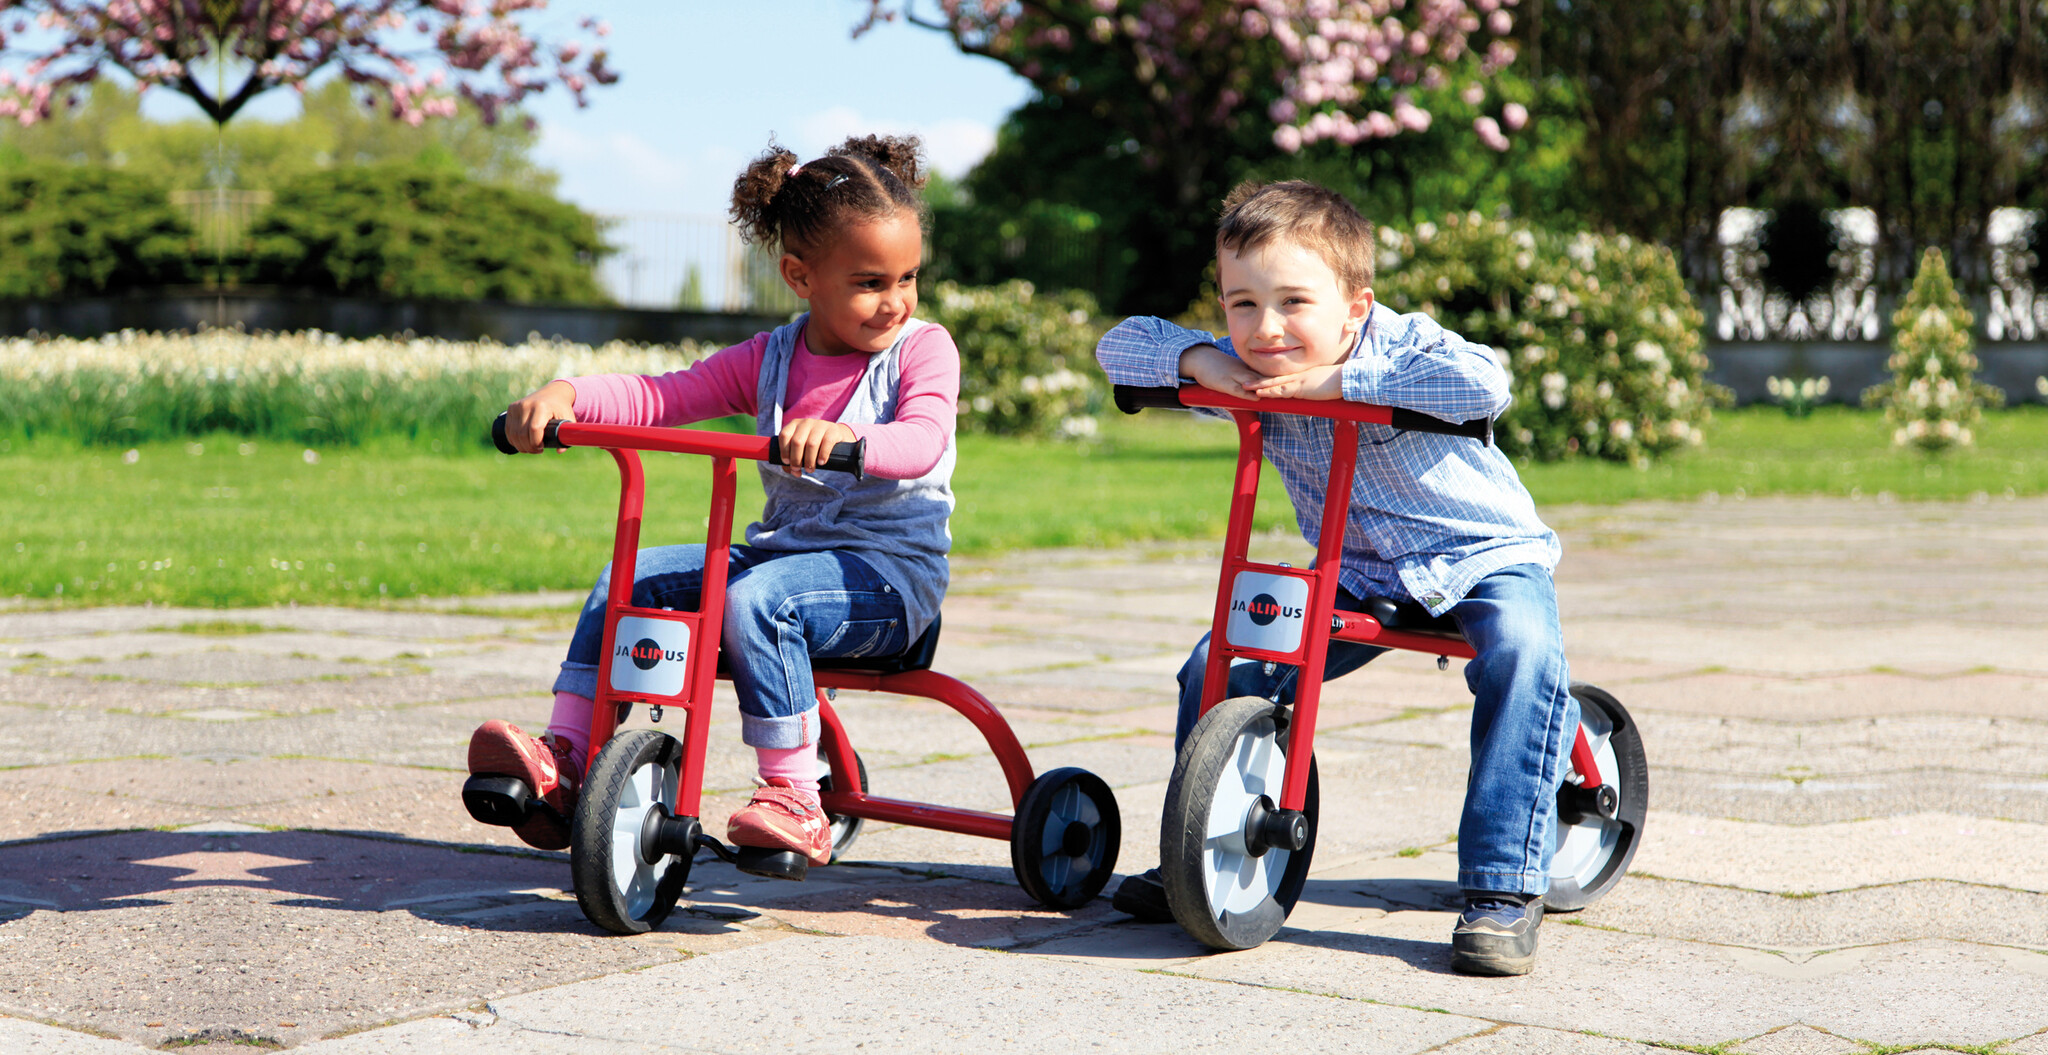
pixel 548 766
pixel 783 817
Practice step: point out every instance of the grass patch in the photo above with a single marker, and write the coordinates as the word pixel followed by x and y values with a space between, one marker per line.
pixel 227 522
pixel 219 628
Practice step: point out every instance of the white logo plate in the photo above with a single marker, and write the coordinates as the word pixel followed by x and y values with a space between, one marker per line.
pixel 648 655
pixel 1266 611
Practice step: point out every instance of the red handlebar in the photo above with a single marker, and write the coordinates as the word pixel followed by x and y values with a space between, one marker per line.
pixel 846 457
pixel 1132 398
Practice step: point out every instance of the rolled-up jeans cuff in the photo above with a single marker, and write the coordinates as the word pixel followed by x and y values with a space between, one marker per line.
pixel 795 730
pixel 1531 883
pixel 577 678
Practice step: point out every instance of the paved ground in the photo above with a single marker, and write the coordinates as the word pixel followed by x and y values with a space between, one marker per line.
pixel 215 839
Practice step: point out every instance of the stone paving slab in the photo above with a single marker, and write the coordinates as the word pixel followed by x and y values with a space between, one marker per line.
pixel 1844 703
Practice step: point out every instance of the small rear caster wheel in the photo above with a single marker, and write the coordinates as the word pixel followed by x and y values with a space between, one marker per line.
pixel 1232 862
pixel 1598 830
pixel 1064 841
pixel 628 852
pixel 844 829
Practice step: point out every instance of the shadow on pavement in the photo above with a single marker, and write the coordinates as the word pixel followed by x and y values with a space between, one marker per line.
pixel 351 872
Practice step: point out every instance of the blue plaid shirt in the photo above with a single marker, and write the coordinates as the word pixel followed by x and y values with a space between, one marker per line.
pixel 1430 515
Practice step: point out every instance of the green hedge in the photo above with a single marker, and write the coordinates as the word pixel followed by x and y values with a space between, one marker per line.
pixel 1598 333
pixel 73 231
pixel 404 229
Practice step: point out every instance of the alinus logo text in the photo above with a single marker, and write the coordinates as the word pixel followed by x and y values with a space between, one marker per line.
pixel 1263 609
pixel 646 652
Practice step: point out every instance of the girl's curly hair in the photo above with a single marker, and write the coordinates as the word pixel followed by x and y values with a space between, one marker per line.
pixel 776 201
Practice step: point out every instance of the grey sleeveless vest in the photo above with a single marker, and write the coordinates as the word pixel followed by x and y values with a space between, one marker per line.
pixel 897 526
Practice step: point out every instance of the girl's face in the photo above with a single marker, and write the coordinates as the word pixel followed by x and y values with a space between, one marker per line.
pixel 862 286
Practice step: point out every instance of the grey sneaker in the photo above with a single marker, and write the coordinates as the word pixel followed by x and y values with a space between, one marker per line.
pixel 1496 934
pixel 1143 896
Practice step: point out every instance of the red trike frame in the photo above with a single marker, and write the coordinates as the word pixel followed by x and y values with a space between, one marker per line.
pixel 847 796
pixel 1322 620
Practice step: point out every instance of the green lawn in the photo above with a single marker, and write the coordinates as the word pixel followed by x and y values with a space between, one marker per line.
pixel 230 523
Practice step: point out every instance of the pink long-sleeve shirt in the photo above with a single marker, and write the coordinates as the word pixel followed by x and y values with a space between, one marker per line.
pixel 820 386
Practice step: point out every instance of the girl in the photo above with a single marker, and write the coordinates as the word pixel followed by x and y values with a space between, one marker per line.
pixel 835 566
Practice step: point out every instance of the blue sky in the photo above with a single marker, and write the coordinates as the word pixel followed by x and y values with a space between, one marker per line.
pixel 703 84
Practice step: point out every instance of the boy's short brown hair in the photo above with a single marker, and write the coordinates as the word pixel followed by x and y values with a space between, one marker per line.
pixel 1316 218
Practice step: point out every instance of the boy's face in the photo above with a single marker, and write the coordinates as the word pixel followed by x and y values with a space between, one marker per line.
pixel 1286 309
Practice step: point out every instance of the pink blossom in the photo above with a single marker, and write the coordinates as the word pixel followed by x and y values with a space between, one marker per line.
pixel 1286 137
pixel 1489 133
pixel 1514 115
pixel 1474 94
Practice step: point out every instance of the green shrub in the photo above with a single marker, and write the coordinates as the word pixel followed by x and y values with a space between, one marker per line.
pixel 1598 334
pixel 311 388
pixel 405 229
pixel 1026 359
pixel 1932 398
pixel 76 231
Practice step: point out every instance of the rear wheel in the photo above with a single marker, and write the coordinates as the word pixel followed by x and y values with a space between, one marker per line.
pixel 1228 886
pixel 1592 843
pixel 626 882
pixel 1064 840
pixel 844 829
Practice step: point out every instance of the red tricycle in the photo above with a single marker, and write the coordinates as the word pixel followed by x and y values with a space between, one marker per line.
pixel 635 831
pixel 1240 821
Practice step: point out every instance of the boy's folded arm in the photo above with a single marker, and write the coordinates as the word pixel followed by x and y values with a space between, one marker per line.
pixel 1430 370
pixel 1145 351
pixel 720 384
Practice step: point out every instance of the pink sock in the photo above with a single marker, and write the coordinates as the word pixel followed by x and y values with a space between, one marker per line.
pixel 571 720
pixel 798 765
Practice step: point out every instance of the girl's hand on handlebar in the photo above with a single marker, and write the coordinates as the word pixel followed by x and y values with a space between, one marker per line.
pixel 807 442
pixel 1208 366
pixel 1316 382
pixel 526 422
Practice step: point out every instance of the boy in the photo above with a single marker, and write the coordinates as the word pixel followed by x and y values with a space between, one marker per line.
pixel 1440 519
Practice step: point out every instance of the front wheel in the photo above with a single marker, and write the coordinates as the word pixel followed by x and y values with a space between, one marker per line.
pixel 1228 887
pixel 1591 846
pixel 844 829
pixel 623 883
pixel 1065 837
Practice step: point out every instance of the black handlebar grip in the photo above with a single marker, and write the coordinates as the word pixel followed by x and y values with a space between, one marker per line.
pixel 1480 429
pixel 552 438
pixel 498 437
pixel 845 457
pixel 1133 398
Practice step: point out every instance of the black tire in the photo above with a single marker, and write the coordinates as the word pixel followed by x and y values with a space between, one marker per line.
pixel 1223 895
pixel 1587 858
pixel 1064 840
pixel 844 829
pixel 617 887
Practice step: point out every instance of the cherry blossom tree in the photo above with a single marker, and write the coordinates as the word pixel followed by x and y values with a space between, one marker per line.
pixel 414 57
pixel 1342 70
pixel 1199 93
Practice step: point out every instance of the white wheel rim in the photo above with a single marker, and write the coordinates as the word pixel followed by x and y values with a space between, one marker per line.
pixel 1578 852
pixel 1236 880
pixel 634 879
pixel 1061 870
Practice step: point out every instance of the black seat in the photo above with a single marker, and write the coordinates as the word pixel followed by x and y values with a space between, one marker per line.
pixel 1409 615
pixel 917 657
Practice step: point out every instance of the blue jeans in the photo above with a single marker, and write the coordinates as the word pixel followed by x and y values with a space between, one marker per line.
pixel 1523 721
pixel 780 610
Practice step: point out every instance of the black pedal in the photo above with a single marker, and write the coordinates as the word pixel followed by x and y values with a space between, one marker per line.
pixel 774 864
pixel 491 799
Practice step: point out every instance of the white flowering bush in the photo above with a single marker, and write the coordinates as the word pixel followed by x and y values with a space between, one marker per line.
pixel 1797 395
pixel 1027 360
pixel 1598 335
pixel 310 387
pixel 1932 398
